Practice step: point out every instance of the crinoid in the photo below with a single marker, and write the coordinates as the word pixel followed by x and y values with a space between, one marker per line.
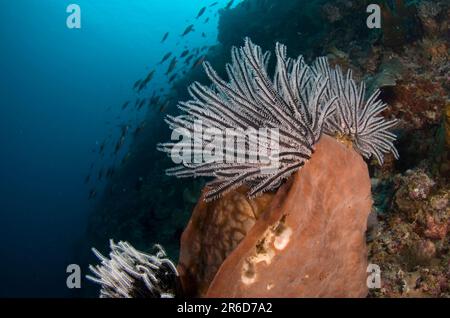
pixel 129 273
pixel 356 119
pixel 275 121
pixel 292 106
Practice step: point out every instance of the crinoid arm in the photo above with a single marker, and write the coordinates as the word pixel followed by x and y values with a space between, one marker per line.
pixel 129 273
pixel 356 118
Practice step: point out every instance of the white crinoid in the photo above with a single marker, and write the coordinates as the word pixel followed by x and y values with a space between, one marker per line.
pixel 129 273
pixel 358 119
pixel 299 102
pixel 292 103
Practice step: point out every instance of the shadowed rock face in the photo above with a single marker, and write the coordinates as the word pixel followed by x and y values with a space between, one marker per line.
pixel 309 241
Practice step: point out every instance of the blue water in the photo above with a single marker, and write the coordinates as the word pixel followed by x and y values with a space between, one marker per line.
pixel 58 89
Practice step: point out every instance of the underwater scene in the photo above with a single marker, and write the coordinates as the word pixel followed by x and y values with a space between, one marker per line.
pixel 225 149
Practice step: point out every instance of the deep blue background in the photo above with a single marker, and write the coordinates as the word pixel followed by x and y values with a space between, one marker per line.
pixel 55 87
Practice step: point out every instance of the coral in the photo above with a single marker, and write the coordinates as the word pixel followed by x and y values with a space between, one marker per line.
pixel 331 12
pixel 129 273
pixel 297 102
pixel 436 50
pixel 310 242
pixel 412 242
pixel 417 102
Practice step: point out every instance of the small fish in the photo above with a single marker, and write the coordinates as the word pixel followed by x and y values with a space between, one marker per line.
pixel 153 100
pixel 184 53
pixel 124 130
pixel 188 29
pixel 164 106
pixel 141 104
pixel 229 5
pixel 125 105
pixel 102 147
pixel 165 37
pixel 172 78
pixel 87 179
pixel 110 172
pixel 119 144
pixel 203 34
pixel 172 66
pixel 165 57
pixel 213 4
pixel 207 20
pixel 188 60
pixel 147 79
pixel 149 76
pixel 92 194
pixel 200 13
pixel 139 128
pixel 199 61
pixel 136 84
pixel 125 158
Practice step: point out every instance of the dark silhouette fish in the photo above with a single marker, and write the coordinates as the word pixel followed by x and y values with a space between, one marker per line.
pixel 153 100
pixel 184 53
pixel 92 194
pixel 110 172
pixel 125 105
pixel 165 57
pixel 203 34
pixel 141 104
pixel 172 65
pixel 172 78
pixel 139 128
pixel 165 37
pixel 87 179
pixel 146 80
pixel 200 13
pixel 199 61
pixel 119 144
pixel 149 76
pixel 188 30
pixel 229 5
pixel 124 129
pixel 207 20
pixel 164 106
pixel 213 4
pixel 189 58
pixel 136 84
